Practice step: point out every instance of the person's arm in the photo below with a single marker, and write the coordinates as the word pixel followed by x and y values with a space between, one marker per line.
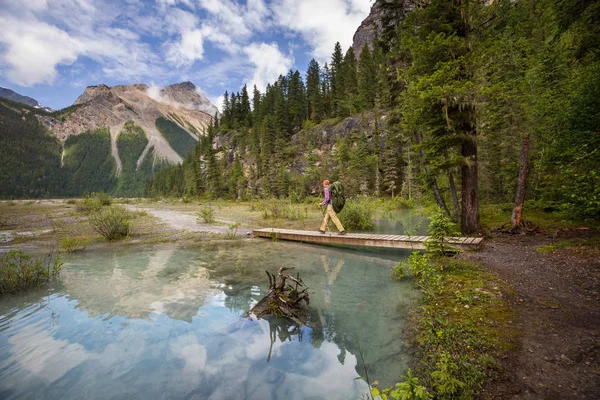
pixel 327 197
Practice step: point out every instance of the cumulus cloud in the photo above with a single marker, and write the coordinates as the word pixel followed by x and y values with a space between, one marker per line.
pixel 32 54
pixel 189 49
pixel 269 63
pixel 34 44
pixel 322 23
pixel 135 40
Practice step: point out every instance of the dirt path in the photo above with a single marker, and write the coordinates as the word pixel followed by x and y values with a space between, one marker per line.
pixel 178 220
pixel 558 302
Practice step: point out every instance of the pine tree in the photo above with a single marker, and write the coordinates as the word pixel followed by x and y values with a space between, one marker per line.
pixel 313 91
pixel 367 79
pixel 349 102
pixel 337 80
pixel 245 110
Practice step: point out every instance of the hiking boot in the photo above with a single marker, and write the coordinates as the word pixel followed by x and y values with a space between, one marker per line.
pixel 342 233
pixel 321 231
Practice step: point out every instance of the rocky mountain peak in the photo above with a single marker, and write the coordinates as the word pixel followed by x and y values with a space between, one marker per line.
pixel 188 95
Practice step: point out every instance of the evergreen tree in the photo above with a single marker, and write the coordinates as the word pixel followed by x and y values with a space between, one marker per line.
pixel 348 104
pixel 337 80
pixel 367 79
pixel 245 110
pixel 313 91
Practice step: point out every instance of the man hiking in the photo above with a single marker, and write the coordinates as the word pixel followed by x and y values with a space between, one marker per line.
pixel 329 212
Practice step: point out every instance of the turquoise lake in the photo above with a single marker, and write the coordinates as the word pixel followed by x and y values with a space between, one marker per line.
pixel 168 322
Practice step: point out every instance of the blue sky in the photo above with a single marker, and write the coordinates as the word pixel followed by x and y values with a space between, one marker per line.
pixel 52 49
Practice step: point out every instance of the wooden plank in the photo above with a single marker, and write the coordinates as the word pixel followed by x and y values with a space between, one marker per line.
pixel 361 239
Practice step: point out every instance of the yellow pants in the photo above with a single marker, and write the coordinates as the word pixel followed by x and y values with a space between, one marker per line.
pixel 331 214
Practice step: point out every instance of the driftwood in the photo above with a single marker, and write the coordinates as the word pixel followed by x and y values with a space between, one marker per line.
pixel 283 299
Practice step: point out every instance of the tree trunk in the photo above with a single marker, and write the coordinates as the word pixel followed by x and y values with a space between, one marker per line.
pixel 470 200
pixel 454 195
pixel 431 179
pixel 453 192
pixel 516 219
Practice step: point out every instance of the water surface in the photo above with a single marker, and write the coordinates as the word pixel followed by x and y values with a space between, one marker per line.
pixel 167 322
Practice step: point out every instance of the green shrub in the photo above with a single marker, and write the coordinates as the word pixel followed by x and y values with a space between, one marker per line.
pixel 103 198
pixel 440 229
pixel 92 202
pixel 19 271
pixel 206 214
pixel 233 228
pixel 112 222
pixel 89 205
pixel 71 245
pixel 358 214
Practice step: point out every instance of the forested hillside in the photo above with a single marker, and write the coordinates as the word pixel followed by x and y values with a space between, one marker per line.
pixel 35 164
pixel 460 102
pixel 30 156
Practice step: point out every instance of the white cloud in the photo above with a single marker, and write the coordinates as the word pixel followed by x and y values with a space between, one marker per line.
pixel 34 50
pixel 322 23
pixel 189 49
pixel 269 63
pixel 36 43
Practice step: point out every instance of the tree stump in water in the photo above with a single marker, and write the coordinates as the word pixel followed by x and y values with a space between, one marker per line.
pixel 283 299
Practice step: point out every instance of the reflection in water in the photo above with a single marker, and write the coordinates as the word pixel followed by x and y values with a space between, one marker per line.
pixel 164 322
pixel 402 222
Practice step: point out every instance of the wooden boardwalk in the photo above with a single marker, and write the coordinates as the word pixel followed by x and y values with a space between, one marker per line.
pixel 364 239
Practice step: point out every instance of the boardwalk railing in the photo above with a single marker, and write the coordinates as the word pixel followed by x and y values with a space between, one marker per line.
pixel 364 239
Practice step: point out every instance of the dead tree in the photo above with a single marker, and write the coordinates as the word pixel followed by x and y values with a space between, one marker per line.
pixel 283 299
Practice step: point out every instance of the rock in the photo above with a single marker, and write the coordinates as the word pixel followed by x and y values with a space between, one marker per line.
pixel 384 13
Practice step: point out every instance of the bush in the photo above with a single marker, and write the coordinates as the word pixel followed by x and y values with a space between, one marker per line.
pixel 88 205
pixel 19 271
pixel 112 222
pixel 358 214
pixel 103 198
pixel 440 229
pixel 71 245
pixel 92 202
pixel 207 214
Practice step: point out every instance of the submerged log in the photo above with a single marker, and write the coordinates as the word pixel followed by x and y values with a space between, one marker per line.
pixel 283 299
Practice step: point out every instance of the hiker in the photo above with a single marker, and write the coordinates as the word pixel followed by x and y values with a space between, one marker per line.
pixel 329 213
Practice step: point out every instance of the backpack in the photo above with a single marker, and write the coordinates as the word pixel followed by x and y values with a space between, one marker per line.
pixel 338 198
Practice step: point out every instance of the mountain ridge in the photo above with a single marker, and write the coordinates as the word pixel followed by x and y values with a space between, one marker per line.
pixel 9 94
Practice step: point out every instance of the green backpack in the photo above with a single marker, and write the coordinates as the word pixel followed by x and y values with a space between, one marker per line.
pixel 338 199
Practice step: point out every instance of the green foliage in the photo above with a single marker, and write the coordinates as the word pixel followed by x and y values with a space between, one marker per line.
pixel 29 155
pixel 89 205
pixel 71 244
pixel 19 271
pixel 441 228
pixel 232 232
pixel 93 202
pixel 409 389
pixel 131 144
pixel 113 222
pixel 239 266
pixel 88 162
pixel 358 213
pixel 399 271
pixel 444 377
pixel 178 138
pixel 207 214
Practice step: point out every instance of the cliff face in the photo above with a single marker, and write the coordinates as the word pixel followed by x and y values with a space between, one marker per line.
pixel 111 107
pixel 384 14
